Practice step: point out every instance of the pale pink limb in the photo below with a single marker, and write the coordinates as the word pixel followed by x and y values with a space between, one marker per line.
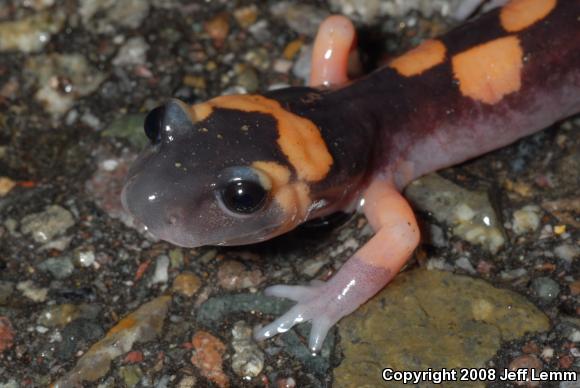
pixel 361 277
pixel 334 42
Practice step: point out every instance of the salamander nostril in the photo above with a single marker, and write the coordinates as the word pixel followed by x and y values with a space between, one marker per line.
pixel 152 124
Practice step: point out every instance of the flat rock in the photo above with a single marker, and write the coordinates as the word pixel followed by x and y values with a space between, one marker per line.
pixel 431 319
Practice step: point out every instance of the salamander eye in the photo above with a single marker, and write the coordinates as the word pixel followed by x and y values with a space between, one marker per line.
pixel 242 190
pixel 243 196
pixel 153 124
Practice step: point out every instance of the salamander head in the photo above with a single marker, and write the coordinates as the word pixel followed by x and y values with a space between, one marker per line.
pixel 213 174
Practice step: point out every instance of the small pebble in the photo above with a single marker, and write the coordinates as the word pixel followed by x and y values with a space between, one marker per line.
pixel 29 34
pixel 465 264
pixel 186 284
pixel 286 382
pixel 282 66
pixel 29 290
pixel 64 78
pixel 248 359
pixel 133 357
pixel 86 258
pixel 218 29
pixel 187 382
pixel 232 275
pixel 131 375
pixel 63 314
pixel 311 267
pixel 176 258
pixel 59 267
pixel 513 274
pixel 6 185
pixel 246 16
pixel 559 229
pixel 46 225
pixel 548 353
pixel 161 274
pixel 527 362
pixel 575 288
pixel 208 357
pixel 6 334
pixel 565 362
pixel 132 53
pixel 260 31
pixel 567 252
pixel 114 14
pixel 526 220
pixel 247 78
pixel 574 336
pixel 292 49
pixel 294 13
pixel 545 288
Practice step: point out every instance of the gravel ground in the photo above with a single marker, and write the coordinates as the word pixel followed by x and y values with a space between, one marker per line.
pixel 86 298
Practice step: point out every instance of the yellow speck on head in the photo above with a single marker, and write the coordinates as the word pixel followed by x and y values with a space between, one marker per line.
pixel 423 57
pixel 519 14
pixel 490 71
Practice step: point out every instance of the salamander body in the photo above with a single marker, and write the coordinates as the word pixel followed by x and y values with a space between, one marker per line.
pixel 242 169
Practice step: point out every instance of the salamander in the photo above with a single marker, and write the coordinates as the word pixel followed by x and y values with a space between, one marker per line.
pixel 240 169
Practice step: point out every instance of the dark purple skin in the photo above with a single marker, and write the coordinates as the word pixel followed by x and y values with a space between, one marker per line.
pixel 425 123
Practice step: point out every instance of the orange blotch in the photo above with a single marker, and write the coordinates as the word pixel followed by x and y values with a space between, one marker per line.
pixel 299 139
pixel 303 196
pixel 423 57
pixel 279 175
pixel 294 200
pixel 490 71
pixel 200 112
pixel 520 14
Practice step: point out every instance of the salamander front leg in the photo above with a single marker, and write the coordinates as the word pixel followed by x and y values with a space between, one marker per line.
pixel 361 277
